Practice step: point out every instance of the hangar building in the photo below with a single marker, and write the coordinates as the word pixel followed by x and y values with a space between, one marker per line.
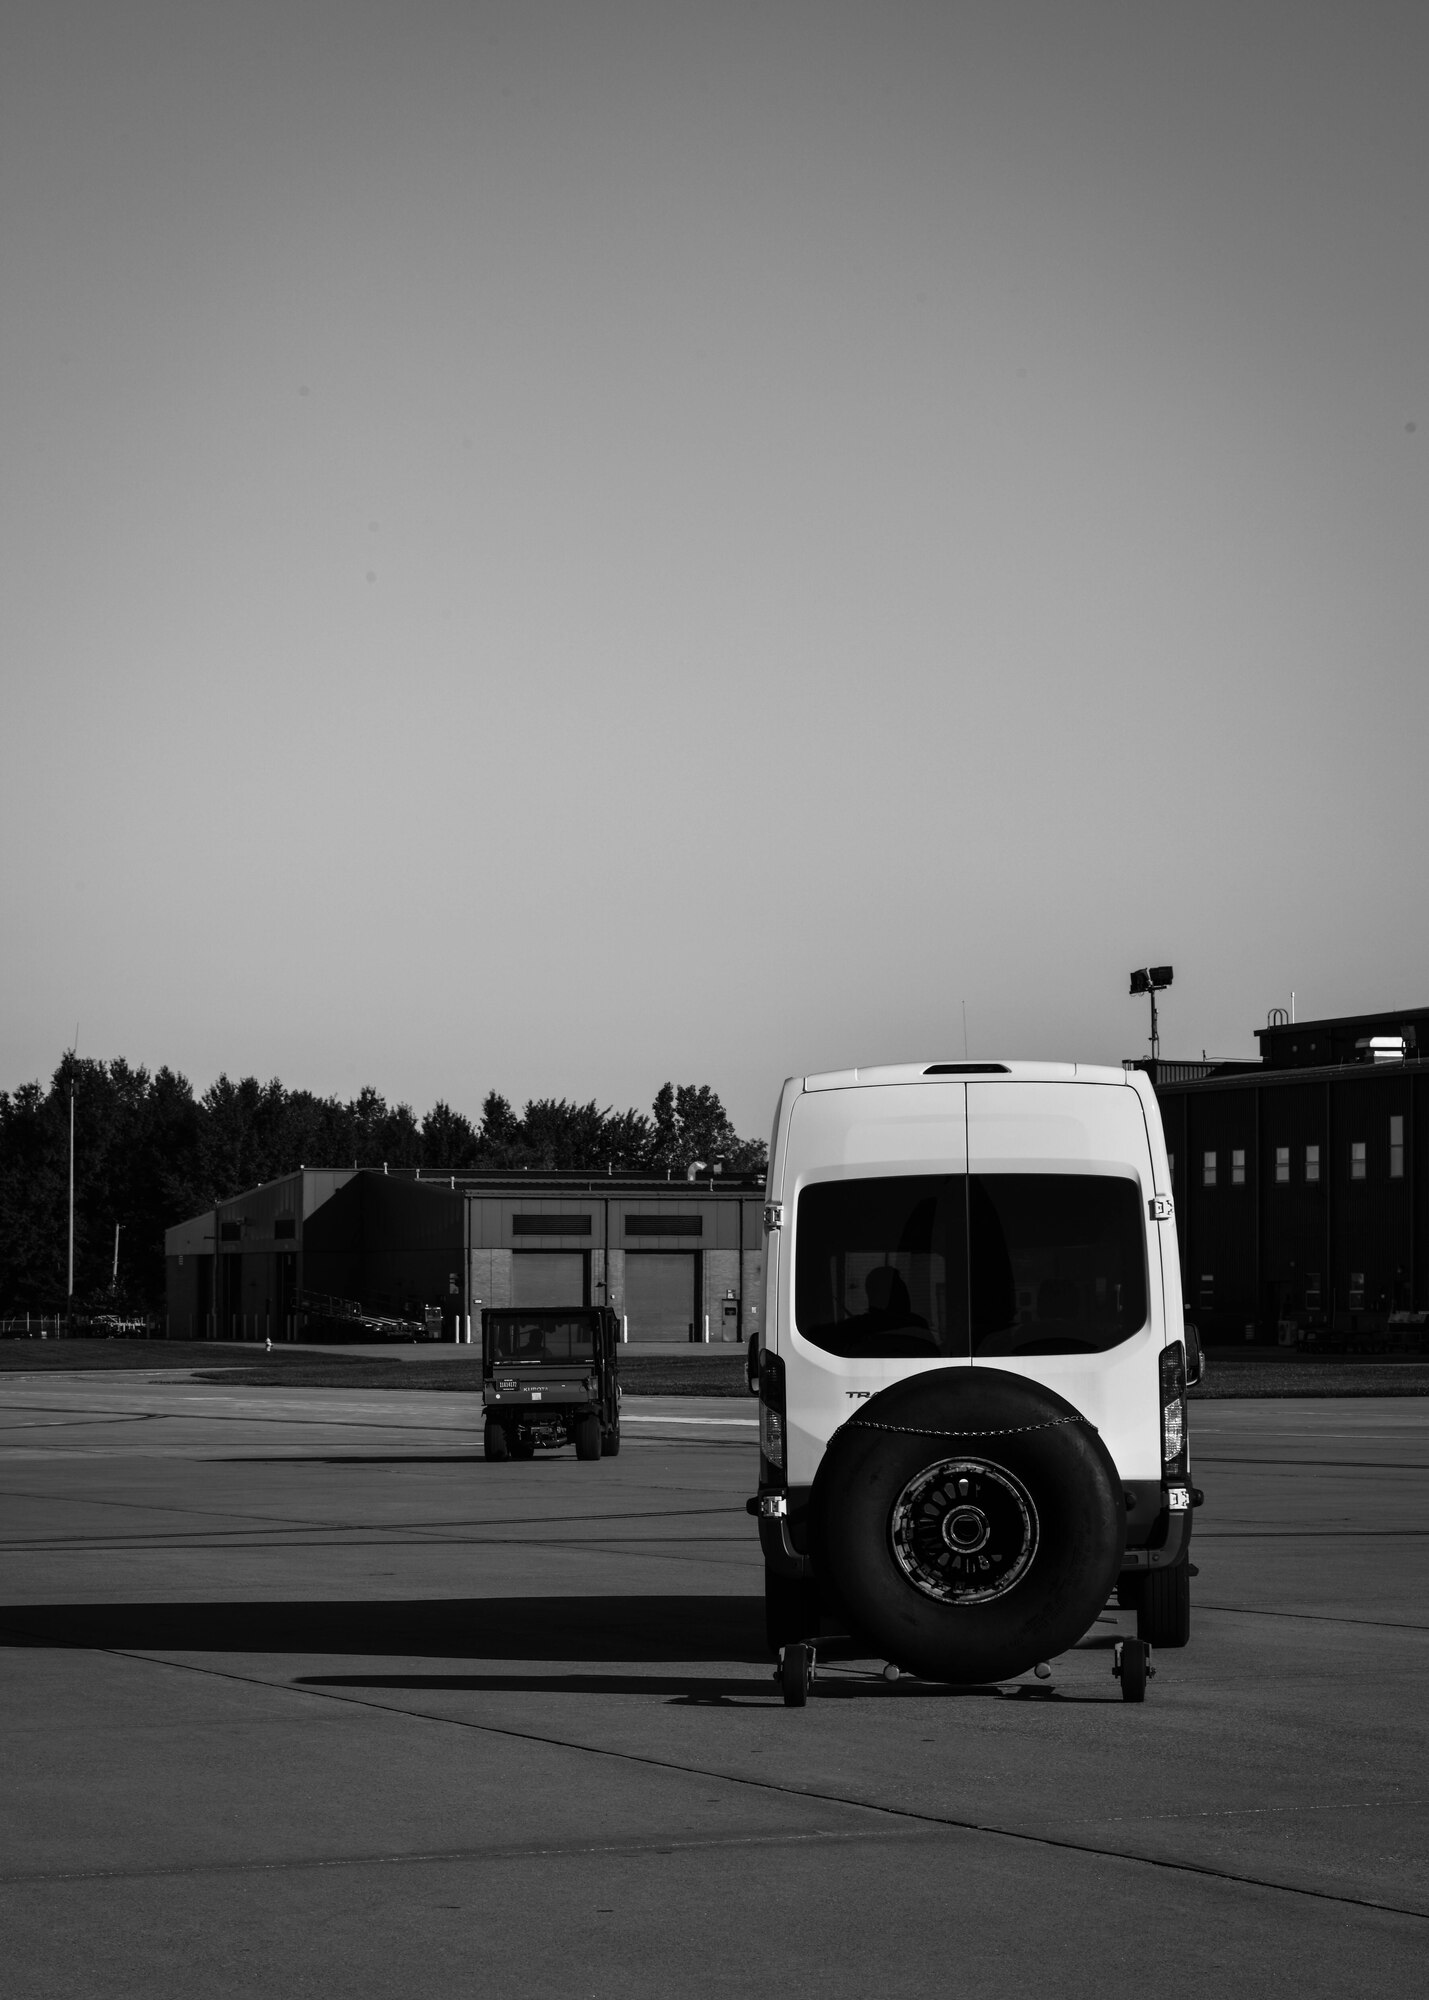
pixel 679 1261
pixel 1302 1201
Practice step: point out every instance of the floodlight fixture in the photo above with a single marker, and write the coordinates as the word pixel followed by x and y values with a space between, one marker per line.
pixel 1160 976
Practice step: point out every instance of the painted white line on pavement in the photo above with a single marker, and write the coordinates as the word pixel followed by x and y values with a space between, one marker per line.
pixel 745 1423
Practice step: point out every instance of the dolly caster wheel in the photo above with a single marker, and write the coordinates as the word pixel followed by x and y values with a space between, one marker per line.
pixel 795 1671
pixel 1131 1663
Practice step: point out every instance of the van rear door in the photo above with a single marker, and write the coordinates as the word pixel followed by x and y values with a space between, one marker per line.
pixel 1064 1275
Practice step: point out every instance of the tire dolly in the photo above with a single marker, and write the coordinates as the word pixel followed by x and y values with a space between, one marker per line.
pixel 1131 1664
pixel 795 1672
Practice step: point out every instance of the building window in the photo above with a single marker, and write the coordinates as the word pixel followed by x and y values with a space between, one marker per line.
pixel 286 1226
pixel 1312 1291
pixel 1357 1159
pixel 1396 1149
pixel 1282 1164
pixel 1208 1291
pixel 1208 1170
pixel 1356 1291
pixel 1238 1167
pixel 1312 1163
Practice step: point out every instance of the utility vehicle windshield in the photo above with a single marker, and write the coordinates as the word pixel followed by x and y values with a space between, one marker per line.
pixel 954 1265
pixel 516 1337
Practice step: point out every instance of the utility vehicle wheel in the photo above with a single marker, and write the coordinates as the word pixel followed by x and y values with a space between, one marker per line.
pixel 522 1446
pixel 610 1441
pixel 587 1431
pixel 972 1523
pixel 495 1443
pixel 795 1673
pixel 1163 1610
pixel 791 1609
pixel 1133 1669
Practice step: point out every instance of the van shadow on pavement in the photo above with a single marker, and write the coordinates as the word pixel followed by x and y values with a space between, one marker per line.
pixel 588 1630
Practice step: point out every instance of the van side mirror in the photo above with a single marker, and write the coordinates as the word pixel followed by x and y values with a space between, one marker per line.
pixel 1195 1354
pixel 751 1366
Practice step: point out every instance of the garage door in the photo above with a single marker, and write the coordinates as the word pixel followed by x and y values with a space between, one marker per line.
pixel 660 1294
pixel 548 1278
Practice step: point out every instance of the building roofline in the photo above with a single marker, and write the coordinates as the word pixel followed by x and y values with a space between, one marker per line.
pixel 1361 1020
pixel 1257 1077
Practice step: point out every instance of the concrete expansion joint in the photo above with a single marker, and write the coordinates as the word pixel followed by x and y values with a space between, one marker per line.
pixel 910 1817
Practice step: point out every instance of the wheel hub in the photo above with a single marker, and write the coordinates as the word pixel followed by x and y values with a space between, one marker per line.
pixel 964 1531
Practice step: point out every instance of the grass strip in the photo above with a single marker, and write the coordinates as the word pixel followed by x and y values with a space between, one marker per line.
pixel 1230 1374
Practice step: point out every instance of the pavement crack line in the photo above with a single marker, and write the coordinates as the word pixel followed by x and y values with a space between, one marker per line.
pixel 1315 1464
pixel 530 1850
pixel 74 1423
pixel 204 1538
pixel 1313 1617
pixel 903 1815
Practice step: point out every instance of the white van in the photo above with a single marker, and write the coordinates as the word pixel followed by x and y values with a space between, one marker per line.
pixel 973 1381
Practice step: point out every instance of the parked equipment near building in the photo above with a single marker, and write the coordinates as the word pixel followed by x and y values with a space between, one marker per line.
pixel 973 1384
pixel 549 1379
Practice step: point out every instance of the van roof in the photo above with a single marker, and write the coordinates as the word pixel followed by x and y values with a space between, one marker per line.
pixel 935 1071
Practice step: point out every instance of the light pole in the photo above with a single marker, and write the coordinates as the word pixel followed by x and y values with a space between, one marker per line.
pixel 1151 980
pixel 69 1292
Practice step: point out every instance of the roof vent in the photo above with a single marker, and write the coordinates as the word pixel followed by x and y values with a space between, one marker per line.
pixel 966 1069
pixel 1381 1048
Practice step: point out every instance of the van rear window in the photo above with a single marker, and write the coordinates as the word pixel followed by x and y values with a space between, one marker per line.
pixel 1058 1262
pixel 953 1265
pixel 879 1266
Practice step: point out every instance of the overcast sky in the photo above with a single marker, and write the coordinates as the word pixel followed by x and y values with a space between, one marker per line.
pixel 552 547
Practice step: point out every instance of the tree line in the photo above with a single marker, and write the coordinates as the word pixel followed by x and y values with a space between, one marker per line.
pixel 149 1153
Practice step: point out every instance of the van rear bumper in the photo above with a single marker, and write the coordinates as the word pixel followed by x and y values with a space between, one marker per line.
pixel 1163 1536
pixel 1158 1529
pixel 784 1538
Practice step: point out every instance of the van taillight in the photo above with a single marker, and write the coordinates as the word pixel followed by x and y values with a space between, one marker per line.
pixel 771 1420
pixel 1173 1408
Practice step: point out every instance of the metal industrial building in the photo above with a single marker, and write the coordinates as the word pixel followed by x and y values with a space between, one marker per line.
pixel 678 1260
pixel 1301 1198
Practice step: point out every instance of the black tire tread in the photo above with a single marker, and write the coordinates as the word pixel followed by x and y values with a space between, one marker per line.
pixel 1163 1607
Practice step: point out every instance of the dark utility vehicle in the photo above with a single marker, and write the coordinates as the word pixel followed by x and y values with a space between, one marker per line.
pixel 548 1379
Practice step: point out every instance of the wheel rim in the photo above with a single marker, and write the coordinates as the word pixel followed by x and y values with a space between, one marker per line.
pixel 963 1531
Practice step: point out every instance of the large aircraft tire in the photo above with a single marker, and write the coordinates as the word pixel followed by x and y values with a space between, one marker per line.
pixel 971 1521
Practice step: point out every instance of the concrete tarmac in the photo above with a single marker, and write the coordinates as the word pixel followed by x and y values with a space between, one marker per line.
pixel 302 1697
